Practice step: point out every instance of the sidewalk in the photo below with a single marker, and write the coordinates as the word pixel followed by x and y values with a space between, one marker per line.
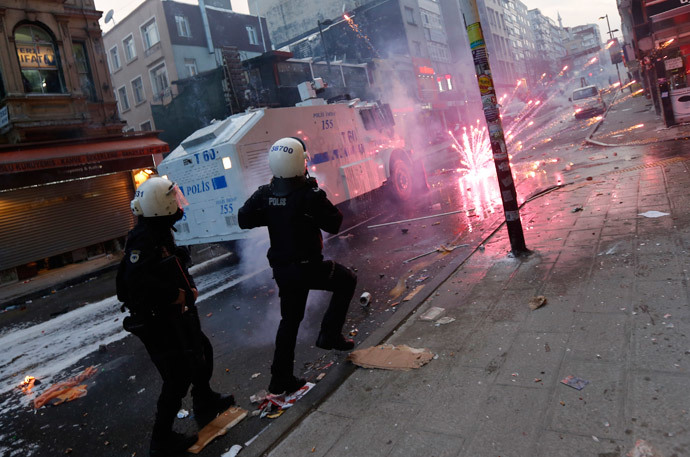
pixel 633 121
pixel 617 316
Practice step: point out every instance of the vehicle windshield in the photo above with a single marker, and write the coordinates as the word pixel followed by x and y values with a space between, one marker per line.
pixel 585 92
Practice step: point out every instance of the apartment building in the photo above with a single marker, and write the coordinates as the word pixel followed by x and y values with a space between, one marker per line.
pixel 548 43
pixel 161 42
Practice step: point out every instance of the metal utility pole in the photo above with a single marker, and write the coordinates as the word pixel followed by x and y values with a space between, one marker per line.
pixel 323 43
pixel 496 137
pixel 620 84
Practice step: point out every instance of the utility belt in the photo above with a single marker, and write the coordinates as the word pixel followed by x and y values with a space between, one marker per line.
pixel 292 262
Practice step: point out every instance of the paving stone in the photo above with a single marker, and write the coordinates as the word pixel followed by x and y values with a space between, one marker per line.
pixel 508 422
pixel 561 444
pixel 322 430
pixel 375 434
pixel 425 443
pixel 604 337
pixel 587 411
pixel 659 411
pixel 533 355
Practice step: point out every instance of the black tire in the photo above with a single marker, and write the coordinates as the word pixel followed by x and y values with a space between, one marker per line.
pixel 401 180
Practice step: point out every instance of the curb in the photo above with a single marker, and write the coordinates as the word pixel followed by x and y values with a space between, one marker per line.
pixel 273 433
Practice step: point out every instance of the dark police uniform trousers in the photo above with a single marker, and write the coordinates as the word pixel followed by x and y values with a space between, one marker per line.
pixel 173 339
pixel 295 211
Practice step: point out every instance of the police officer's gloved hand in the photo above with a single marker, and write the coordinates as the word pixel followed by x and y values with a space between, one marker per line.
pixel 311 182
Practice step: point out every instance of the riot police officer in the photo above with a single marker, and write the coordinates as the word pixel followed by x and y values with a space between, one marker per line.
pixel 295 211
pixel 160 294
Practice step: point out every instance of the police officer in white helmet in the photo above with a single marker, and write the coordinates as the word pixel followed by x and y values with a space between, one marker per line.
pixel 155 285
pixel 295 211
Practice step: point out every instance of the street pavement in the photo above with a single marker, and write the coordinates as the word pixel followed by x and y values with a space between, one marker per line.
pixel 616 316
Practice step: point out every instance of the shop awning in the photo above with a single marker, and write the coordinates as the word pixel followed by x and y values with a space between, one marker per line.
pixel 20 158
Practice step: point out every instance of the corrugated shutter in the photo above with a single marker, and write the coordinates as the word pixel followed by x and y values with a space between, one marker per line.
pixel 42 221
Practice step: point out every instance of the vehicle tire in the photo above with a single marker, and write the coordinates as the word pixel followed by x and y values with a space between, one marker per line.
pixel 401 180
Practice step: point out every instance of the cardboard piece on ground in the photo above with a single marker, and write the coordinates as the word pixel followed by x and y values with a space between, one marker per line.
pixel 413 293
pixel 218 427
pixel 390 357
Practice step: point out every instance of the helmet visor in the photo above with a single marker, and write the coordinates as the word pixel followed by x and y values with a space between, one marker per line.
pixel 179 196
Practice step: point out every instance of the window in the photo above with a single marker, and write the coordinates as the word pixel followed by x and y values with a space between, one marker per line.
pixel 130 50
pixel 114 59
pixel 84 70
pixel 138 90
pixel 146 126
pixel 409 15
pixel 122 99
pixel 182 26
pixel 159 81
pixel 190 67
pixel 149 33
pixel 417 48
pixel 251 32
pixel 38 60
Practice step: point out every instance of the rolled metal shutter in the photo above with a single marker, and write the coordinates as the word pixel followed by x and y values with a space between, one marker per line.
pixel 47 220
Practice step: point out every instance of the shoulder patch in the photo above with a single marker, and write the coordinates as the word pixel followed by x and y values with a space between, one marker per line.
pixel 134 256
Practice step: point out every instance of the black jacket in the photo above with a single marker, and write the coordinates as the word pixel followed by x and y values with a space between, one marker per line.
pixel 146 281
pixel 295 211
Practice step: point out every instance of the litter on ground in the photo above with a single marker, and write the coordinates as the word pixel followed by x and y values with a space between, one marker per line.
pixel 537 302
pixel 274 405
pixel 390 357
pixel 574 382
pixel 653 214
pixel 431 314
pixel 68 390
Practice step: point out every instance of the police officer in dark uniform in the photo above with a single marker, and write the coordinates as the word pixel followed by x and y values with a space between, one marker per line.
pixel 157 289
pixel 295 211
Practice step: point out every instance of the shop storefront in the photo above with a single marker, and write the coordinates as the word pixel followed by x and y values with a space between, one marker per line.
pixel 670 42
pixel 59 203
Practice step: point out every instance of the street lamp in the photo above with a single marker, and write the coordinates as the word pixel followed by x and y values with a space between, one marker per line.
pixel 327 22
pixel 608 25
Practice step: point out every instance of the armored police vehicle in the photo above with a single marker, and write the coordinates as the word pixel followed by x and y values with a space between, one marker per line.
pixel 352 145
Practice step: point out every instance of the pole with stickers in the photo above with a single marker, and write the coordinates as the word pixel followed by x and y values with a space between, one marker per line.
pixel 493 121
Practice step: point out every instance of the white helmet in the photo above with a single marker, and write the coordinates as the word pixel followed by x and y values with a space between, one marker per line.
pixel 157 197
pixel 287 158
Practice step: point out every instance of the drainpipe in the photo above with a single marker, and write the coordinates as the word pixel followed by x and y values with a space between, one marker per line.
pixel 207 29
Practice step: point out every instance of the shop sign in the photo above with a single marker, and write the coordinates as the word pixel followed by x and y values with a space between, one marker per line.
pixel 36 57
pixel 658 7
pixel 424 70
pixel 672 64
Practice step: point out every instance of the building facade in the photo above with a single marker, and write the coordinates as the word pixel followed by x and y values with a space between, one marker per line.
pixel 548 47
pixel 67 173
pixel 656 38
pixel 161 42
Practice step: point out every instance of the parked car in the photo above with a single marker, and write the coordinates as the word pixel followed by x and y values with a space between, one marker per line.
pixel 587 102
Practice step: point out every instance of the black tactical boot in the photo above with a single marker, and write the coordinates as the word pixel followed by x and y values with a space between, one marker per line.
pixel 287 385
pixel 171 444
pixel 339 342
pixel 208 406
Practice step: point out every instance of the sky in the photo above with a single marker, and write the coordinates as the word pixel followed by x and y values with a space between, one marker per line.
pixel 573 13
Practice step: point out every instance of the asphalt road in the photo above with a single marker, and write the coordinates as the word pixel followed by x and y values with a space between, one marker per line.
pixel 239 302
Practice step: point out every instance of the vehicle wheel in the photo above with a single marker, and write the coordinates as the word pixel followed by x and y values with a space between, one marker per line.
pixel 401 179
